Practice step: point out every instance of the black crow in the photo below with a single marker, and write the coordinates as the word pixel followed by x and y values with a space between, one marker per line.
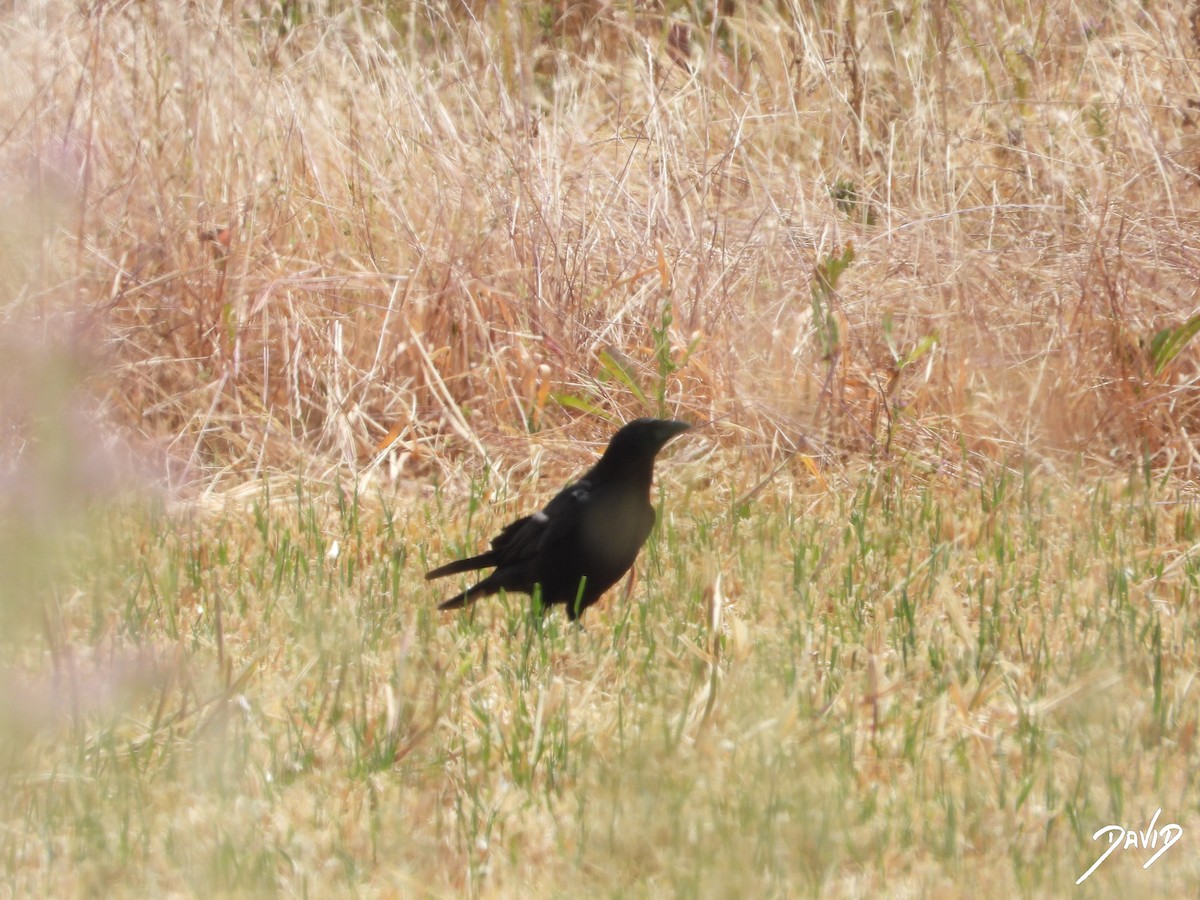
pixel 586 538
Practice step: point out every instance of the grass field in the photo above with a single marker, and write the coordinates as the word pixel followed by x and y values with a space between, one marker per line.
pixel 301 299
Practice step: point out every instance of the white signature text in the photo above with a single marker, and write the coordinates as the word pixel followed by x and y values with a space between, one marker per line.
pixel 1128 838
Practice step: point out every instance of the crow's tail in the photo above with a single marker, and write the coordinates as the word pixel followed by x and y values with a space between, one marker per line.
pixel 458 601
pixel 482 561
pixel 469 596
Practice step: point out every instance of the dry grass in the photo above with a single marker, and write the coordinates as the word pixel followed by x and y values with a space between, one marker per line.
pixel 304 236
pixel 925 271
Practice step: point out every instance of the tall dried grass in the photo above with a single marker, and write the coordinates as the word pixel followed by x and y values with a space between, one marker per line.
pixel 313 236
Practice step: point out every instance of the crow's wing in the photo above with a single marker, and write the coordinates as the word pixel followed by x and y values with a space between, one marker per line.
pixel 525 538
pixel 514 535
pixel 521 541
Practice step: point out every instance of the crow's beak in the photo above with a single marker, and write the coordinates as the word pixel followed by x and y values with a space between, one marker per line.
pixel 668 428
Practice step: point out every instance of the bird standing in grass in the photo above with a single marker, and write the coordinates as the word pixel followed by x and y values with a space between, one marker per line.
pixel 586 538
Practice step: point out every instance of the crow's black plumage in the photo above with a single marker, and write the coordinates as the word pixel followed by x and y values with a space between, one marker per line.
pixel 586 538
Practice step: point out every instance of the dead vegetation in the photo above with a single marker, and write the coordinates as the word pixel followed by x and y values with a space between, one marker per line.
pixel 307 237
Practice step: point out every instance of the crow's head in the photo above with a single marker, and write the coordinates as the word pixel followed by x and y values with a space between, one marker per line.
pixel 642 439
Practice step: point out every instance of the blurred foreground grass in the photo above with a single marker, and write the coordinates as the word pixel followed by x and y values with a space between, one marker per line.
pixel 913 684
